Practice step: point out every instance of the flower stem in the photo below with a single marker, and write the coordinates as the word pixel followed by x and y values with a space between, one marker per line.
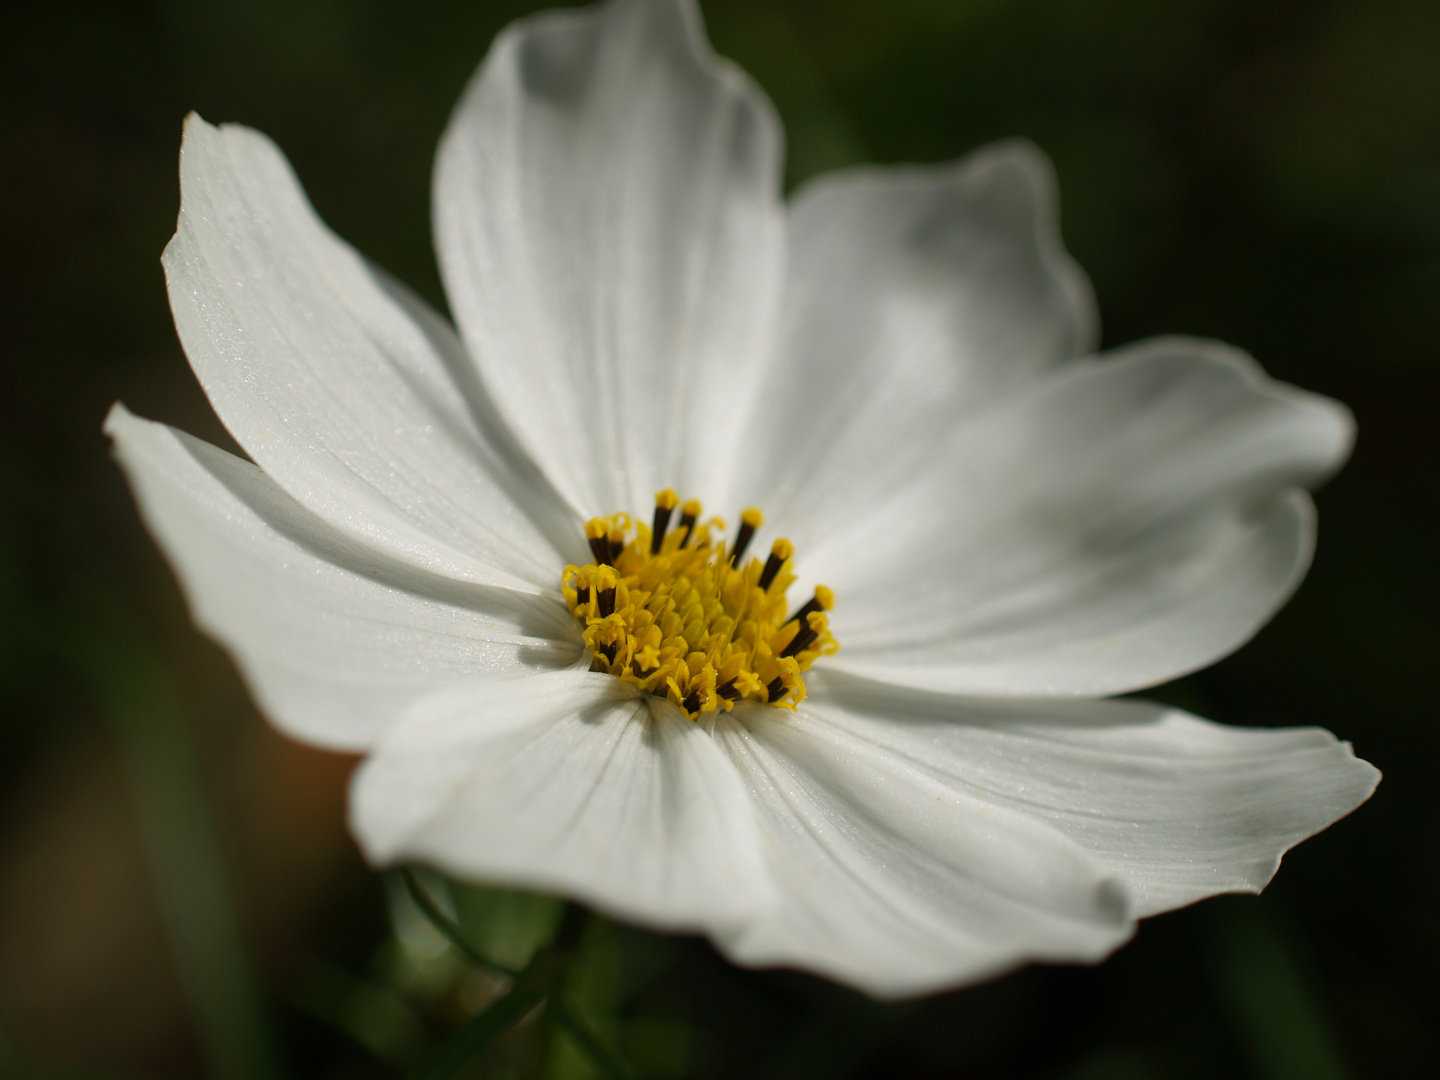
pixel 599 1054
pixel 539 981
pixel 446 926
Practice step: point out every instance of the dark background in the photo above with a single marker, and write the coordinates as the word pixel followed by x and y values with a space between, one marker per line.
pixel 1265 173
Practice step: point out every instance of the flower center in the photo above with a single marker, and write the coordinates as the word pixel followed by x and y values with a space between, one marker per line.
pixel 682 615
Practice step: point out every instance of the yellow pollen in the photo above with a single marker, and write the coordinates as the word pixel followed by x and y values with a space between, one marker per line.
pixel 684 615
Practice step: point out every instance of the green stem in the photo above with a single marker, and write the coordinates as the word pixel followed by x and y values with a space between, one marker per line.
pixel 474 1038
pixel 448 928
pixel 532 986
pixel 599 1054
pixel 1263 986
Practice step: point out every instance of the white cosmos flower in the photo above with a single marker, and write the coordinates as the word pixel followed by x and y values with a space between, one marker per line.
pixel 894 366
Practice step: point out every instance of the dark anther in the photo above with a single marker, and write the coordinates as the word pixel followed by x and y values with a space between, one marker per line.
pixel 687 522
pixel 776 689
pixel 742 541
pixel 801 640
pixel 600 548
pixel 727 690
pixel 772 567
pixel 692 702
pixel 608 651
pixel 813 604
pixel 662 522
pixel 606 599
pixel 582 595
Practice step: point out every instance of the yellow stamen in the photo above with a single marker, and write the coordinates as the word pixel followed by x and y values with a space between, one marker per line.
pixel 678 614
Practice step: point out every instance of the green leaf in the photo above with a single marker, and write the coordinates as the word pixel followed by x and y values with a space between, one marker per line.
pixel 104 643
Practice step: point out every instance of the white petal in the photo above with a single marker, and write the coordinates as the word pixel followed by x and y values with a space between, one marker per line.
pixel 334 639
pixel 566 782
pixel 610 233
pixel 897 883
pixel 1177 808
pixel 916 296
pixel 1123 523
pixel 336 383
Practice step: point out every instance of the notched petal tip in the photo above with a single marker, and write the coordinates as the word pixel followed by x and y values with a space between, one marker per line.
pixel 553 55
pixel 612 136
pixel 1323 427
pixel 1353 781
pixel 116 418
pixel 1028 163
pixel 1015 183
pixel 209 176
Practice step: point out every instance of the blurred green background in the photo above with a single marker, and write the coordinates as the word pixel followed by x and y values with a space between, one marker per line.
pixel 178 896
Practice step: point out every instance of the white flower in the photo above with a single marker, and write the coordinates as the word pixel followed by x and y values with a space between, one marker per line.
pixel 894 367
